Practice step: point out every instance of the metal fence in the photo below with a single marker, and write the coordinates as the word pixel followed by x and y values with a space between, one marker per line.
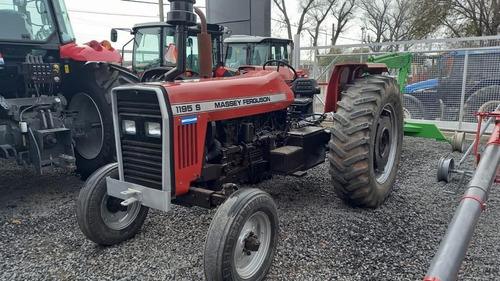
pixel 448 81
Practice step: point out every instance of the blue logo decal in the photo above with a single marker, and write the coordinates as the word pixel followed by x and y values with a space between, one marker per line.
pixel 189 120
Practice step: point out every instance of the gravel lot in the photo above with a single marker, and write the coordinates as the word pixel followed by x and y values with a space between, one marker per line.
pixel 320 237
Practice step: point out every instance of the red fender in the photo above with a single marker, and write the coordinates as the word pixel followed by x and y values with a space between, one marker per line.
pixel 342 75
pixel 91 51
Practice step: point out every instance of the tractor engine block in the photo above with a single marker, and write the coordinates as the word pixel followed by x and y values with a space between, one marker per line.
pixel 240 148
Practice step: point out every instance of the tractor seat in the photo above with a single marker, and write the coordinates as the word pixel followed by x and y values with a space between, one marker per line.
pixel 14 26
pixel 305 87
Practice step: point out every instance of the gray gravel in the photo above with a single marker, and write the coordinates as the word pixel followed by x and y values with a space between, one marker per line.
pixel 320 237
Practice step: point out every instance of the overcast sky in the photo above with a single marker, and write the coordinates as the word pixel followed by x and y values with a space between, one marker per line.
pixel 93 19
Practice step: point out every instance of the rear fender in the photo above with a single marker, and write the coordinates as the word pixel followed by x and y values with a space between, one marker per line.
pixel 285 72
pixel 342 75
pixel 107 75
pixel 92 51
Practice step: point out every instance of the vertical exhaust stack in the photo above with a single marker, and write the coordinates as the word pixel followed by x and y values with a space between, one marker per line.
pixel 181 15
pixel 204 47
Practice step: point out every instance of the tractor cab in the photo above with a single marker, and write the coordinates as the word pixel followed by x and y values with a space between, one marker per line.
pixel 152 40
pixel 255 50
pixel 35 28
pixel 35 22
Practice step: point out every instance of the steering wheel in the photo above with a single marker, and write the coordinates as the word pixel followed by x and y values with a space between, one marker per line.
pixel 279 62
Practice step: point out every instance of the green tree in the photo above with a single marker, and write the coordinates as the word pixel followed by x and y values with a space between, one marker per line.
pixel 473 17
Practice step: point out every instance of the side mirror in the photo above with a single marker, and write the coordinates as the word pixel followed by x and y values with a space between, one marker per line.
pixel 42 10
pixel 114 35
pixel 190 42
pixel 229 52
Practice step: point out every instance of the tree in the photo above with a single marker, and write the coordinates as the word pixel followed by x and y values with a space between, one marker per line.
pixel 426 17
pixel 304 7
pixel 473 17
pixel 400 20
pixel 376 20
pixel 280 4
pixel 317 14
pixel 342 13
pixel 412 19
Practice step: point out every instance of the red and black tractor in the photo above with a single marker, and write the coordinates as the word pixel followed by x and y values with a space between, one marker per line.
pixel 54 94
pixel 191 141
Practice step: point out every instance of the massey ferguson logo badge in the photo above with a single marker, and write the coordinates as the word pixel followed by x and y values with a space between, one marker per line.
pixel 189 120
pixel 179 109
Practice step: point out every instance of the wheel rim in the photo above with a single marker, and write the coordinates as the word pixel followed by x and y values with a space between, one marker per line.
pixel 89 143
pixel 247 261
pixel 386 143
pixel 116 216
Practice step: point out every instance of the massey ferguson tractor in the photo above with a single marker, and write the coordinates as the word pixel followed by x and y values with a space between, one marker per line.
pixel 255 50
pixel 54 94
pixel 189 142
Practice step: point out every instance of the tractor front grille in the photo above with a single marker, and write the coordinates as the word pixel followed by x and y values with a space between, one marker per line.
pixel 142 163
pixel 141 154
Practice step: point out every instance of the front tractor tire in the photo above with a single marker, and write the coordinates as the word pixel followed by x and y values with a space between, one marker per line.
pixel 242 237
pixel 101 217
pixel 366 141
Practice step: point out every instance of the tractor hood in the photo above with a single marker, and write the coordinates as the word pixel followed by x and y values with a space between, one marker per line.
pixel 422 85
pixel 230 97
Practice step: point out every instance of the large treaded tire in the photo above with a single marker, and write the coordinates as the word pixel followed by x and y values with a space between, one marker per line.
pixel 93 87
pixel 360 132
pixel 108 225
pixel 246 210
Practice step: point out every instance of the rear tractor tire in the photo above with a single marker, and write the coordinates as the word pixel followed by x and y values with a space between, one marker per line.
pixel 101 217
pixel 366 141
pixel 95 145
pixel 483 100
pixel 242 237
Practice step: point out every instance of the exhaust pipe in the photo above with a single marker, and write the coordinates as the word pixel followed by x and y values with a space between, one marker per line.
pixel 451 252
pixel 181 15
pixel 204 47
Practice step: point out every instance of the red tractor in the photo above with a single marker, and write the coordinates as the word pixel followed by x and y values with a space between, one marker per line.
pixel 54 94
pixel 189 142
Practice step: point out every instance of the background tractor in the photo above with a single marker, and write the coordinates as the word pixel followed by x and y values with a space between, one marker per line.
pixel 440 98
pixel 255 50
pixel 54 94
pixel 151 40
pixel 191 141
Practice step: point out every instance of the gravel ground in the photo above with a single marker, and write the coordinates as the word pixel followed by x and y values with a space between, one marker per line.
pixel 320 237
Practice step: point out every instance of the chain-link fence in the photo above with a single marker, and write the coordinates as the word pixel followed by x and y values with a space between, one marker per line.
pixel 449 78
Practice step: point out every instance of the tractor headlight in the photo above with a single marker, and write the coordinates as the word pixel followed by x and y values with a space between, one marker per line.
pixel 128 127
pixel 153 129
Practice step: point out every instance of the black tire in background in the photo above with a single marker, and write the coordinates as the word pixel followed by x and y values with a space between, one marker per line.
pixel 247 216
pixel 485 100
pixel 90 99
pixel 413 107
pixel 366 141
pixel 101 217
